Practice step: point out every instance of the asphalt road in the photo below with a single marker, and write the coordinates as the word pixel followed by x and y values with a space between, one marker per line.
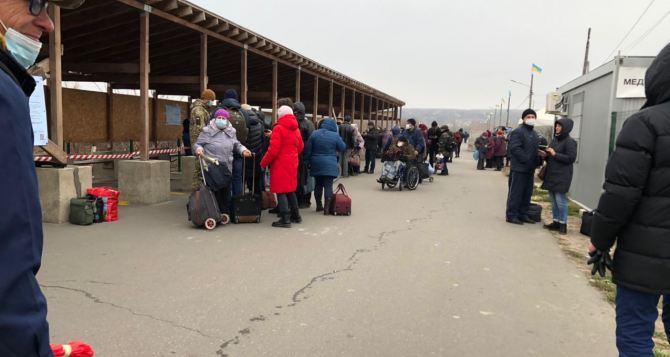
pixel 433 272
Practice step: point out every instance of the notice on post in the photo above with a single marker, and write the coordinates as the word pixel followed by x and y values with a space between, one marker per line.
pixel 38 113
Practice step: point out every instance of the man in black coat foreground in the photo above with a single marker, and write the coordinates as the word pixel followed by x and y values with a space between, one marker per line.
pixel 634 213
pixel 306 129
pixel 524 149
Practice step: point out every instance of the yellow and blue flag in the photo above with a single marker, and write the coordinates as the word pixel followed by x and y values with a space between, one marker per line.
pixel 536 69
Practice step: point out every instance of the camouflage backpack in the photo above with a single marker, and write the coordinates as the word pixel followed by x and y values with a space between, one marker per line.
pixel 240 124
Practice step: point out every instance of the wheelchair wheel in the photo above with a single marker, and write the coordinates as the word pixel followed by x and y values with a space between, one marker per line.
pixel 413 176
pixel 391 184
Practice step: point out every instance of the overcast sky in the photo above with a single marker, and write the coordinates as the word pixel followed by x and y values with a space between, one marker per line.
pixel 454 53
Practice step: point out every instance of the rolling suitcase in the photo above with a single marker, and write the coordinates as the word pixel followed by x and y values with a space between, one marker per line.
pixel 202 208
pixel 248 206
pixel 341 202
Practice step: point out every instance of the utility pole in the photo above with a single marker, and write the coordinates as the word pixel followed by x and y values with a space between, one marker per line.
pixel 509 100
pixel 502 105
pixel 530 96
pixel 586 55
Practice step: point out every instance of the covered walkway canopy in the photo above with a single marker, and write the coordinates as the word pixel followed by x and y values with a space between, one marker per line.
pixel 177 48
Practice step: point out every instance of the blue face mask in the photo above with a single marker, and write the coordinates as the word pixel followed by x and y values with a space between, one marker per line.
pixel 22 48
pixel 221 124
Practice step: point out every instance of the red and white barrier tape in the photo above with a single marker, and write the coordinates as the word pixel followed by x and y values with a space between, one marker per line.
pixel 78 157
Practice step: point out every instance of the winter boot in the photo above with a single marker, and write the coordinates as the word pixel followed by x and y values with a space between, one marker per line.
pixel 553 226
pixel 327 208
pixel 274 210
pixel 295 216
pixel 563 229
pixel 319 206
pixel 283 222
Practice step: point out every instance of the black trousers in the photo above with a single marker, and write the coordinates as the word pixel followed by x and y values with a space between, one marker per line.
pixel 458 150
pixel 287 202
pixel 499 162
pixel 520 192
pixel 223 199
pixel 432 152
pixel 370 157
pixel 482 162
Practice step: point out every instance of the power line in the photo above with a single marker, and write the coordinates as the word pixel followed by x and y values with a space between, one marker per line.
pixel 631 30
pixel 520 104
pixel 641 38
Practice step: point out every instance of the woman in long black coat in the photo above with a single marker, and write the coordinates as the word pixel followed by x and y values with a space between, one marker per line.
pixel 561 156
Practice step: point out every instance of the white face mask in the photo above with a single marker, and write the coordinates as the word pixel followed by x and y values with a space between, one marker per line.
pixel 531 122
pixel 409 127
pixel 400 144
pixel 22 48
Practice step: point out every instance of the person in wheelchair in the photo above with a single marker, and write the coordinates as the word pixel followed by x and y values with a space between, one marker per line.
pixel 395 160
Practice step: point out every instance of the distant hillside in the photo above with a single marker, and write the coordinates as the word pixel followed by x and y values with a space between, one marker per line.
pixel 457 118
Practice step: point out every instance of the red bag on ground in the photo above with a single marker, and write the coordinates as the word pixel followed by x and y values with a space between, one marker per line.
pixel 112 196
pixel 341 203
pixel 72 349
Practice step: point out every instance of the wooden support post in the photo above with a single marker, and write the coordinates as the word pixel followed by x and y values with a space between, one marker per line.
pixel 204 79
pixel 370 110
pixel 297 84
pixel 376 111
pixel 55 81
pixel 353 108
pixel 315 110
pixel 343 101
pixel 330 100
pixel 110 115
pixel 400 117
pixel 275 94
pixel 154 119
pixel 144 86
pixel 362 108
pixel 244 84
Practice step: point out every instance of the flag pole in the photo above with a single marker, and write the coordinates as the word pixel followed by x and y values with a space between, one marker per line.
pixel 509 99
pixel 530 96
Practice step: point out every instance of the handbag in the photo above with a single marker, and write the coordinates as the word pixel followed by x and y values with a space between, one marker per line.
pixel 355 159
pixel 217 176
pixel 587 222
pixel 269 200
pixel 341 202
pixel 543 172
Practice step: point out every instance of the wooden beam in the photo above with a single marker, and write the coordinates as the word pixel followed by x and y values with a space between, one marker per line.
pixel 55 80
pixel 244 84
pixel 343 100
pixel 297 84
pixel 186 11
pixel 376 111
pixel 144 85
pixel 370 110
pixel 55 151
pixel 330 99
pixel 203 80
pixel 125 68
pixel 198 18
pixel 170 5
pixel 275 94
pixel 110 114
pixel 315 109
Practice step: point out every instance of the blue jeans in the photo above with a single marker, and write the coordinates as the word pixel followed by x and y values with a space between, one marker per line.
pixel 559 206
pixel 636 314
pixel 236 185
pixel 323 185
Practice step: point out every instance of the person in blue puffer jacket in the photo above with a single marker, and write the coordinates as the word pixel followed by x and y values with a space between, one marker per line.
pixel 321 153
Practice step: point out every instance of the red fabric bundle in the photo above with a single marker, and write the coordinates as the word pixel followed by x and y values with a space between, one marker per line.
pixel 112 196
pixel 72 349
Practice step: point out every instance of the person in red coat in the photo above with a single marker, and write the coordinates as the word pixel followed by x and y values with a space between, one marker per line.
pixel 282 157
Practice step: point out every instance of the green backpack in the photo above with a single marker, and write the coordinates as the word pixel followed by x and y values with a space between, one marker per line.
pixel 240 124
pixel 82 211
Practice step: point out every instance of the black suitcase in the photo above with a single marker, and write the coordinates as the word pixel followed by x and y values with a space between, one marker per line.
pixel 424 171
pixel 535 212
pixel 202 208
pixel 247 207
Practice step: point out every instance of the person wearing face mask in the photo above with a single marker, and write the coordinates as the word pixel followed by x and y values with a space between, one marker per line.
pixel 524 152
pixel 414 137
pixel 24 330
pixel 200 116
pixel 219 141
pixel 371 139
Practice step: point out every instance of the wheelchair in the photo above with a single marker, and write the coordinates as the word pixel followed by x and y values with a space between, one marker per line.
pixel 407 176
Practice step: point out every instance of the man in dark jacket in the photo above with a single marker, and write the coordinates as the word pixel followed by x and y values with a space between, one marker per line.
pixel 348 135
pixel 561 156
pixel 634 213
pixel 414 137
pixel 433 141
pixel 255 144
pixel 523 147
pixel 371 138
pixel 231 103
pixel 24 330
pixel 458 138
pixel 306 129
